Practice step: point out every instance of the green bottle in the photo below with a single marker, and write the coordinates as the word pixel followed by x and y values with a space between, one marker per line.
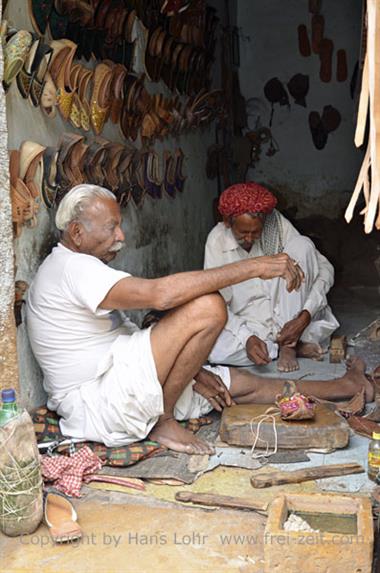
pixel 9 408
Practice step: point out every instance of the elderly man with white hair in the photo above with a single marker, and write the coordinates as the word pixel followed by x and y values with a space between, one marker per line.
pixel 114 383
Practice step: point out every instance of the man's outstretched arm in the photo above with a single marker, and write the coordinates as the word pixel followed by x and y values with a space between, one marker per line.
pixel 177 289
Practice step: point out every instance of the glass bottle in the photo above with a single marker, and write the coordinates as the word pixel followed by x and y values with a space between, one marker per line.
pixel 374 458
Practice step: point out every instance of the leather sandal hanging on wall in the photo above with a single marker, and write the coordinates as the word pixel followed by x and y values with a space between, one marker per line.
pixel 341 66
pixel 303 41
pixel 325 55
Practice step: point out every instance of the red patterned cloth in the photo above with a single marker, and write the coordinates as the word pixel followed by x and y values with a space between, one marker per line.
pixel 68 473
pixel 246 198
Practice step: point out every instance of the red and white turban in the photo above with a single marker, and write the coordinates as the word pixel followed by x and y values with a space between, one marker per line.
pixel 246 198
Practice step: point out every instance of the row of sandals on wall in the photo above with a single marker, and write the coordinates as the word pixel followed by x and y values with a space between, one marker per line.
pixel 180 35
pixel 47 76
pixel 44 174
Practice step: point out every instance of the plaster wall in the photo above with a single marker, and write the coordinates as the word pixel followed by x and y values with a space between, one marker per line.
pixel 162 237
pixel 315 181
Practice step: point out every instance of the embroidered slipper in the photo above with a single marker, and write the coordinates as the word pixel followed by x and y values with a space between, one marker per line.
pixel 60 69
pixel 39 69
pixel 74 117
pixel 60 517
pixel 25 75
pixel 16 51
pixel 101 97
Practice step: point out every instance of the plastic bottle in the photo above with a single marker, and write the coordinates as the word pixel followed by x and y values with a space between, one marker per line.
pixel 21 505
pixel 374 458
pixel 9 408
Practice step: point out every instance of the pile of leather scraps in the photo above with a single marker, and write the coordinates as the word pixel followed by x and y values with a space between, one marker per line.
pixel 369 175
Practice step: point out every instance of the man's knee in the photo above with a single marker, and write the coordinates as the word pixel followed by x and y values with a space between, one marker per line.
pixel 212 308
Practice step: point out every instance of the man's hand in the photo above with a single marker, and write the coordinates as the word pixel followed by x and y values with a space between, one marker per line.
pixel 210 386
pixel 257 350
pixel 281 265
pixel 292 330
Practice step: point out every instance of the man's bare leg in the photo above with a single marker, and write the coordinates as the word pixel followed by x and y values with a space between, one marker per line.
pixel 287 355
pixel 181 343
pixel 247 388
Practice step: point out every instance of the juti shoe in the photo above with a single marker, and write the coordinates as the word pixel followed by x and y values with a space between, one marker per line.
pixel 60 517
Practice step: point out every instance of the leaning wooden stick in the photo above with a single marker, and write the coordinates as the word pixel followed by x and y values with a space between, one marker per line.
pixel 298 476
pixel 211 499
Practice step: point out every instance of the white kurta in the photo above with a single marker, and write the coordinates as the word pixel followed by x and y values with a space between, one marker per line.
pixel 263 307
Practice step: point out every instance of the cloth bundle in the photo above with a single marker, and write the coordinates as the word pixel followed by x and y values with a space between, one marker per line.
pixel 293 405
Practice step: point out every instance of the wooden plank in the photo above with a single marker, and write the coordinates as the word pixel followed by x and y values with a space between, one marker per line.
pixel 215 500
pixel 267 479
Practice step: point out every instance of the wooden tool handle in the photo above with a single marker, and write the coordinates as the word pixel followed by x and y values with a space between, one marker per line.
pixel 212 499
pixel 298 476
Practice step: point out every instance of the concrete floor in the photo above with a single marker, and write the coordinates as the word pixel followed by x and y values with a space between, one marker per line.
pixel 149 531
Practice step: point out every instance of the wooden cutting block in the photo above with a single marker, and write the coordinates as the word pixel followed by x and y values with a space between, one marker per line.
pixel 326 431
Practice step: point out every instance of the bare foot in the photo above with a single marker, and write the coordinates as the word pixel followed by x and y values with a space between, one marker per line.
pixel 310 350
pixel 171 434
pixel 287 361
pixel 356 368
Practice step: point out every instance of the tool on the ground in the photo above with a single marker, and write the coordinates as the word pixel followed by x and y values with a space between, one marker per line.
pixel 212 499
pixel 318 472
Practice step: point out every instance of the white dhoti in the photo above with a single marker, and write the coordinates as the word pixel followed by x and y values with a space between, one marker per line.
pixel 272 311
pixel 124 402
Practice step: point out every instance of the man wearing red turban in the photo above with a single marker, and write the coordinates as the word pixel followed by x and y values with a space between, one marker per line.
pixel 265 321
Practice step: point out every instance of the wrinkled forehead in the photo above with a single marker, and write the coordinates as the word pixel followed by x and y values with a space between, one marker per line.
pixel 248 221
pixel 102 208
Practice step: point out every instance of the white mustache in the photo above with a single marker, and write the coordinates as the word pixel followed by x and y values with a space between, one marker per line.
pixel 116 247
